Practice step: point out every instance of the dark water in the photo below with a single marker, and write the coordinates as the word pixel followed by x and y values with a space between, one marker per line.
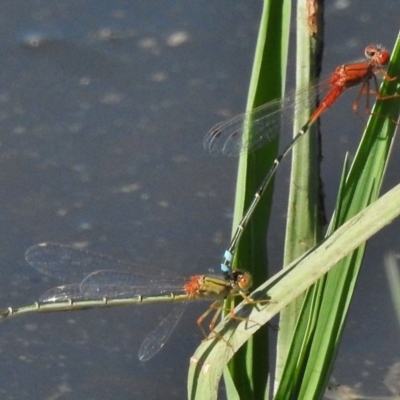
pixel 104 106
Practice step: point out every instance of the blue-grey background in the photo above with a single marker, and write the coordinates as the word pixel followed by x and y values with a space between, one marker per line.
pixel 103 109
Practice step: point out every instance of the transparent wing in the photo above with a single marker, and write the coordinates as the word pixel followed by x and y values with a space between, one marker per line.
pixel 105 284
pixel 253 129
pixel 123 284
pixel 67 263
pixel 157 338
pixel 62 294
pixel 229 137
pixel 72 265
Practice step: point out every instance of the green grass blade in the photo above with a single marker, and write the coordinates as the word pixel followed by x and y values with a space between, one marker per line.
pixel 303 224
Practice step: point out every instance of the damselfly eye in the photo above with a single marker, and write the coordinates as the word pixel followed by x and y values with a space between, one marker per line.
pixel 383 57
pixel 244 281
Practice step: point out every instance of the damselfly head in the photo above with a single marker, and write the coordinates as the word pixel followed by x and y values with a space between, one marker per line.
pixel 242 280
pixel 377 54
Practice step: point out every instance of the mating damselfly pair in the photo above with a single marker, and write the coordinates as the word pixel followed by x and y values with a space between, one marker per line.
pixel 97 281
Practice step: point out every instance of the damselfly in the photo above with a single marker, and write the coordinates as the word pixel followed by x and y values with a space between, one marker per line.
pixel 105 282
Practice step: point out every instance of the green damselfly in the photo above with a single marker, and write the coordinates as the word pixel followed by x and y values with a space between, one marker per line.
pixel 101 281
